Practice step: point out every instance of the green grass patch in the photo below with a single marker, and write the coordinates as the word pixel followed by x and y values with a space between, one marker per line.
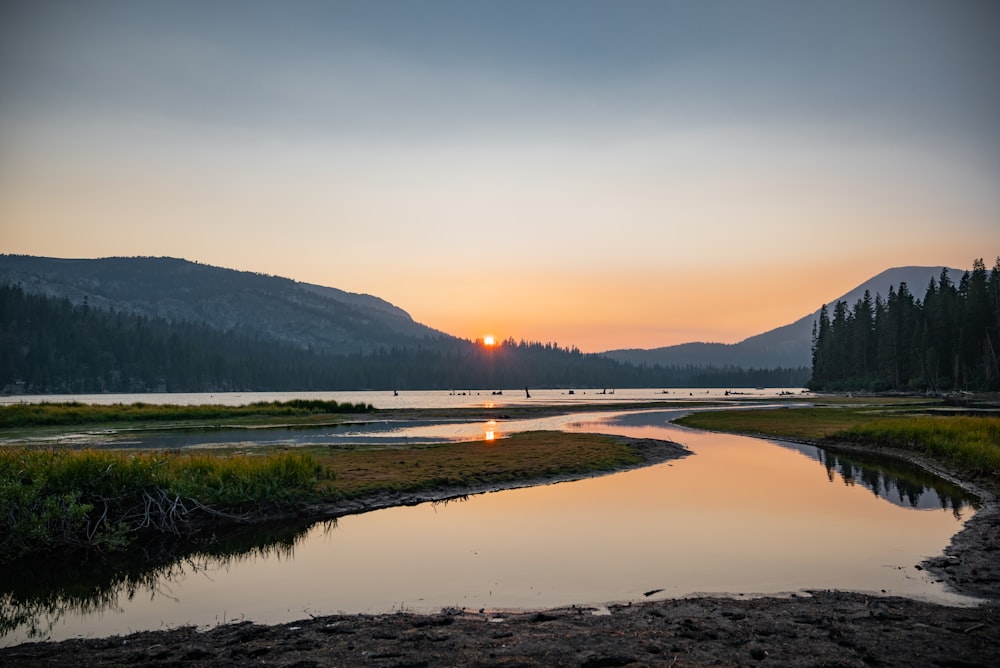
pixel 972 442
pixel 800 423
pixel 75 413
pixel 966 441
pixel 52 499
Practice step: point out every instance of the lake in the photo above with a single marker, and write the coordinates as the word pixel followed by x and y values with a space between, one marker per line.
pixel 423 398
pixel 740 516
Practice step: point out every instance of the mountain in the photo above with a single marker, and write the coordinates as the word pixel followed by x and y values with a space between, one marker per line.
pixel 330 321
pixel 786 346
pixel 310 317
pixel 51 346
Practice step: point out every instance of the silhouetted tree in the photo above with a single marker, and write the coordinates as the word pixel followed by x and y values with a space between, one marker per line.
pixel 55 346
pixel 950 340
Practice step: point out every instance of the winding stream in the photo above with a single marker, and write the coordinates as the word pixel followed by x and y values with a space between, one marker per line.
pixel 741 516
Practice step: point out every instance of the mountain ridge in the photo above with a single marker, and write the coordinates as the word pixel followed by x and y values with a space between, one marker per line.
pixel 312 317
pixel 785 346
pixel 329 320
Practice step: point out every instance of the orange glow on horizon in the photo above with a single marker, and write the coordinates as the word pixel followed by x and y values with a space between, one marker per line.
pixel 643 308
pixel 489 340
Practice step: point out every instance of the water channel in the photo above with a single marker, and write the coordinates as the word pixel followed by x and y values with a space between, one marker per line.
pixel 740 516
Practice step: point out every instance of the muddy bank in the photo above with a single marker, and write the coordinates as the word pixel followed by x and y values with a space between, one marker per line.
pixel 826 629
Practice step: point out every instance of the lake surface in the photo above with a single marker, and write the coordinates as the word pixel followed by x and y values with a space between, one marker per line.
pixel 741 516
pixel 422 398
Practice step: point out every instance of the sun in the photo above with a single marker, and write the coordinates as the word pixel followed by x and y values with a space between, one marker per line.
pixel 488 340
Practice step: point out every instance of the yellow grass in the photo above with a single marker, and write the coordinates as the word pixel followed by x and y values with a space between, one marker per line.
pixel 357 471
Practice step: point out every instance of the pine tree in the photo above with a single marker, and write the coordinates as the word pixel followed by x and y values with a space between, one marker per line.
pixel 950 340
pixel 821 351
pixel 863 338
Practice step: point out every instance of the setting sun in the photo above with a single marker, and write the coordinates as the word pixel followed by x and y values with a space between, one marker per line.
pixel 488 340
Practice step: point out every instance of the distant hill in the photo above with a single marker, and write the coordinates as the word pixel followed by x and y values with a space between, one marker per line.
pixel 310 317
pixel 786 346
pixel 49 345
pixel 325 323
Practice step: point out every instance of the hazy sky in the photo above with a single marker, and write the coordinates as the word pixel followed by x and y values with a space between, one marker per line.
pixel 600 174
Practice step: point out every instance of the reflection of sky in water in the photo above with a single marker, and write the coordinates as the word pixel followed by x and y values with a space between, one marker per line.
pixel 900 483
pixel 416 398
pixel 370 432
pixel 741 515
pixel 915 489
pixel 383 432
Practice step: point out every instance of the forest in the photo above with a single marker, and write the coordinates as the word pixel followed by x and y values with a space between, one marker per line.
pixel 51 346
pixel 948 341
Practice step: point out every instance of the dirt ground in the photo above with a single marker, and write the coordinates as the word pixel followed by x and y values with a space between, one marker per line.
pixel 823 628
pixel 827 629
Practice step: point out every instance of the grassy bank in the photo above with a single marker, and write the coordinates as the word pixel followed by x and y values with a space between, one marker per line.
pixel 972 442
pixel 56 499
pixel 74 413
pixel 968 442
pixel 99 499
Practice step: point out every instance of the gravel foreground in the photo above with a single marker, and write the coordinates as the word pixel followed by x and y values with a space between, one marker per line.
pixel 823 628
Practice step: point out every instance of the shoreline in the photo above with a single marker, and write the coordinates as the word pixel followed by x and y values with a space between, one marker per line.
pixel 652 451
pixel 829 627
pixel 970 564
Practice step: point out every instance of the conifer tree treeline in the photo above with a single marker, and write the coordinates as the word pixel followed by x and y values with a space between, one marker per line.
pixel 948 341
pixel 54 346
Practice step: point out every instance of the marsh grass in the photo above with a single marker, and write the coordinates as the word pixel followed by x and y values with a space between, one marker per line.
pixel 100 499
pixel 966 441
pixel 972 442
pixel 75 413
pixel 802 423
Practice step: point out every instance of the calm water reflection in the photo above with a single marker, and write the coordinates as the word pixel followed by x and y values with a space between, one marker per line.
pixel 377 432
pixel 741 516
pixel 898 482
pixel 33 600
pixel 422 398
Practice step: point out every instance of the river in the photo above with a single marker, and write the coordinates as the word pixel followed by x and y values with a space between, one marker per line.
pixel 740 516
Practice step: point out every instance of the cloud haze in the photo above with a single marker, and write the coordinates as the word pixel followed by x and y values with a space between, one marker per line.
pixel 601 174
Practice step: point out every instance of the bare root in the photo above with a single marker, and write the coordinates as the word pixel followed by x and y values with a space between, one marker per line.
pixel 156 510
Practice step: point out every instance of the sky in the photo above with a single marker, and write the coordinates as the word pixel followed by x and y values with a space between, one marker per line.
pixel 616 174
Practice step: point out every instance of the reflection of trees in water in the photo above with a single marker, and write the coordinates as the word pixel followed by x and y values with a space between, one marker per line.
pixel 897 482
pixel 36 595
